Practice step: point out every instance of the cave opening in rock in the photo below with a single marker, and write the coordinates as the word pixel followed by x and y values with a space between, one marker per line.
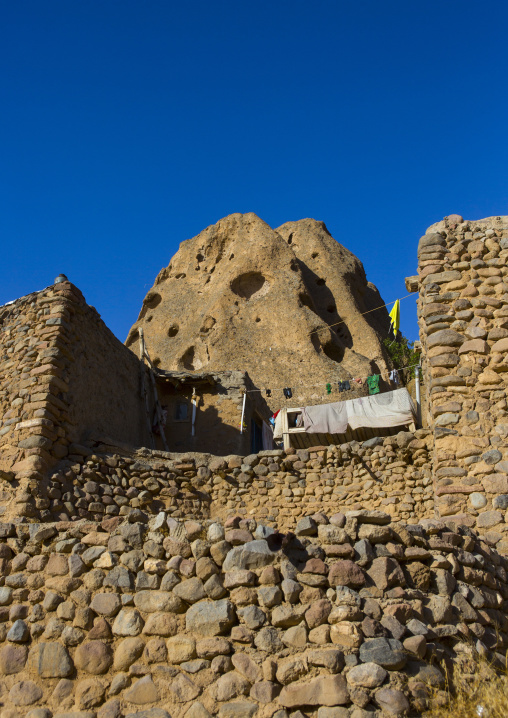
pixel 207 324
pixel 152 300
pixel 133 337
pixel 188 359
pixel 248 284
pixel 306 300
pixel 333 351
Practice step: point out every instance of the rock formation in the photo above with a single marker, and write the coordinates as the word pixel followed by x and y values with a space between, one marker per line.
pixel 285 305
pixel 285 583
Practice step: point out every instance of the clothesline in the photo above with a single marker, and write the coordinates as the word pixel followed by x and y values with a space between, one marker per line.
pixel 343 321
pixel 393 408
pixel 315 386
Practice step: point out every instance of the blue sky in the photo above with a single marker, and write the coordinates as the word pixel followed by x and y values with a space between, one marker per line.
pixel 127 127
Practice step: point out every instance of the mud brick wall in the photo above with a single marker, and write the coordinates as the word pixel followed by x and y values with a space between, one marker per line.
pixel 202 618
pixel 463 316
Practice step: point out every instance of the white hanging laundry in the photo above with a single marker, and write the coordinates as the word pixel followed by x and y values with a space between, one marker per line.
pixel 267 436
pixel 325 418
pixel 394 376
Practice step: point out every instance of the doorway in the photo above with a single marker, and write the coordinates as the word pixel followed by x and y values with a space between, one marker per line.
pixel 256 435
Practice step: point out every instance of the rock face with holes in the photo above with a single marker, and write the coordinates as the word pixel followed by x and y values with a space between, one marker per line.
pixel 285 305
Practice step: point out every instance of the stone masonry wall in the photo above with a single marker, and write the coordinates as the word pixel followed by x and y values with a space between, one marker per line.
pixel 139 582
pixel 463 316
pixel 64 376
pixel 350 616
pixel 32 394
pixel 391 473
pixel 104 397
pixel 26 351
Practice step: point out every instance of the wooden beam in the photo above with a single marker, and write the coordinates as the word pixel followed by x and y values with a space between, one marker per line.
pixel 144 392
pixel 286 438
pixel 158 410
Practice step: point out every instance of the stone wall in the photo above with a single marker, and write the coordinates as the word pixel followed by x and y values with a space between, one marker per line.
pixel 151 583
pixel 66 380
pixel 64 377
pixel 392 474
pixel 463 316
pixel 33 392
pixel 99 485
pixel 194 619
pixel 104 396
pixel 28 335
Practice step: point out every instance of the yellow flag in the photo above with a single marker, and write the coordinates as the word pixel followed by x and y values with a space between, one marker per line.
pixel 395 317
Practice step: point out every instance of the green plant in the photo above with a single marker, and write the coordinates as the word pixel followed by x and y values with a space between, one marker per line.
pixel 402 353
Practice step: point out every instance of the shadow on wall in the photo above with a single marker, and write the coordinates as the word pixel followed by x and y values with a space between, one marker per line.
pixel 367 300
pixel 379 319
pixel 212 435
pixel 320 300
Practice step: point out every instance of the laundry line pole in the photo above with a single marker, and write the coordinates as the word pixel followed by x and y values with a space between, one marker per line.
pixel 143 354
pixel 418 397
pixel 194 401
pixel 243 411
pixel 286 439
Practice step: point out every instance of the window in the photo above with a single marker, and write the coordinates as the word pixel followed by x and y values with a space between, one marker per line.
pixel 182 410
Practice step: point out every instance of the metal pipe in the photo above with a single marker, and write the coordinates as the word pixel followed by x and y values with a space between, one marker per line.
pixel 194 401
pixel 418 396
pixel 243 411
